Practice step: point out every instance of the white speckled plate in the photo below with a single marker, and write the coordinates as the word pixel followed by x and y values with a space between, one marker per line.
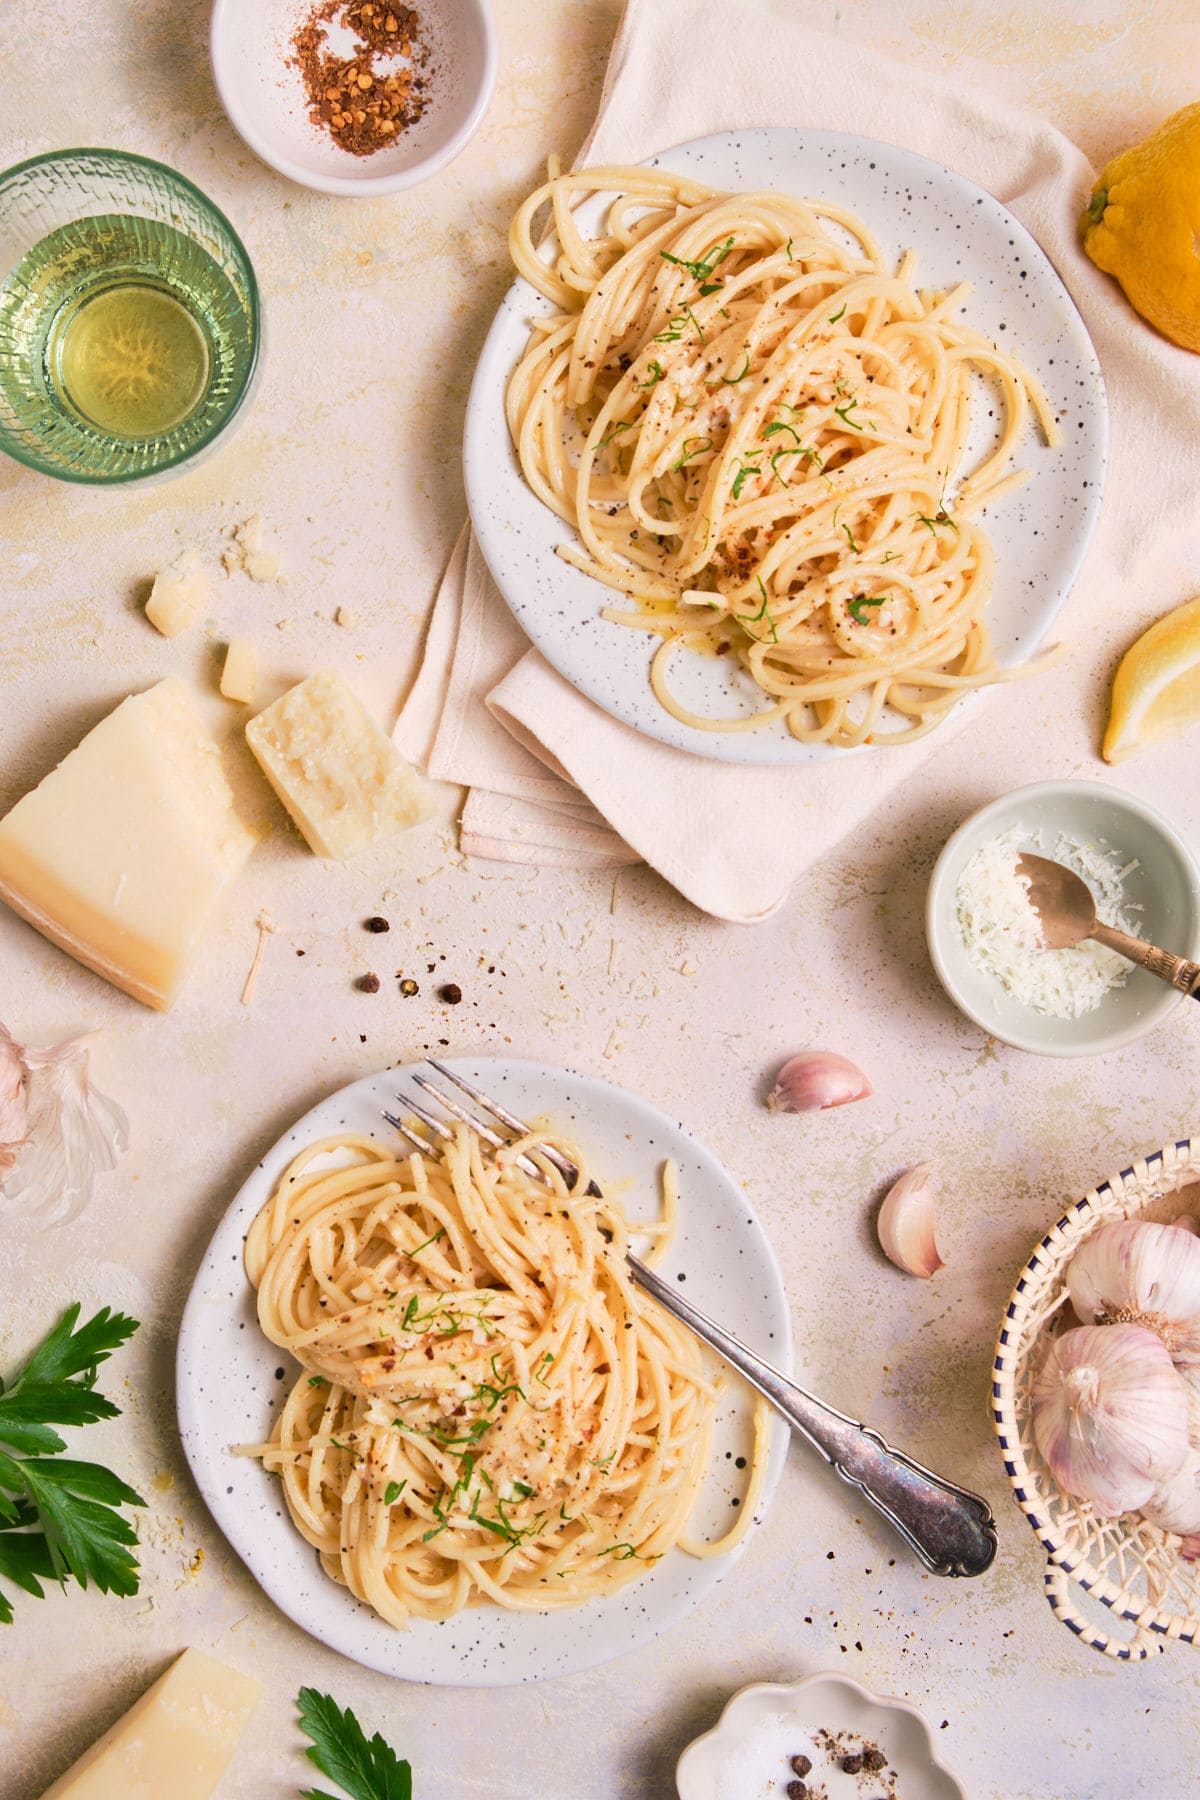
pixel 746 1754
pixel 230 1382
pixel 1041 532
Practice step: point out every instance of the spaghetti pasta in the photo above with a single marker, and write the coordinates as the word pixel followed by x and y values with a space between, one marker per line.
pixel 756 429
pixel 490 1411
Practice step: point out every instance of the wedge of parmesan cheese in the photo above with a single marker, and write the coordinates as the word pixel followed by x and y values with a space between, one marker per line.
pixel 344 783
pixel 177 1740
pixel 122 854
pixel 179 593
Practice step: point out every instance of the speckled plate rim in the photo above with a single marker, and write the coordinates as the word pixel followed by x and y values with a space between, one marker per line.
pixel 939 909
pixel 1041 533
pixel 483 1647
pixel 691 1770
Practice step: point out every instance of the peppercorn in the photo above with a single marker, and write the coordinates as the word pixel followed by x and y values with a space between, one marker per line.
pixel 797 1790
pixel 874 1760
pixel 408 987
pixel 801 1764
pixel 376 924
pixel 451 993
pixel 368 983
pixel 852 1764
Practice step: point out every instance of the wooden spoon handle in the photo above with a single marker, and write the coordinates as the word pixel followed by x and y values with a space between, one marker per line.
pixel 1176 971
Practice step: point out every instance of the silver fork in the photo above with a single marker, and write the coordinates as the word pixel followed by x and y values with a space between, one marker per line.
pixel 950 1528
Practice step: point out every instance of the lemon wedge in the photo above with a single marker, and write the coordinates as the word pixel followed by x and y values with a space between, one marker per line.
pixel 1156 690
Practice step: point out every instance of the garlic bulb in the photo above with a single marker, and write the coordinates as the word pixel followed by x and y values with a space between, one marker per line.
pixel 1135 1272
pixel 905 1224
pixel 816 1079
pixel 13 1109
pixel 1110 1416
pixel 70 1132
pixel 1175 1506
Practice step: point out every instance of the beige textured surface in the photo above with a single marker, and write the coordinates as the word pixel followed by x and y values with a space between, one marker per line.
pixel 375 311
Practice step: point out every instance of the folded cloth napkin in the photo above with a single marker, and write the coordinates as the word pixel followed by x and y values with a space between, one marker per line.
pixel 555 780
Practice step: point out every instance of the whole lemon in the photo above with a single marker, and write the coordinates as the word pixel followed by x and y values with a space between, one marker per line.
pixel 1143 226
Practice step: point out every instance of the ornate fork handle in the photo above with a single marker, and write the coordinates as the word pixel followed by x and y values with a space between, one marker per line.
pixel 1177 971
pixel 951 1529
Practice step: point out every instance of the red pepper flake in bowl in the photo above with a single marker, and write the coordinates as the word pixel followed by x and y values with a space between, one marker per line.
pixel 362 100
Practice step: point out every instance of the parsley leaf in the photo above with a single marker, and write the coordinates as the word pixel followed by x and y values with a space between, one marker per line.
pixel 368 1769
pixel 58 1517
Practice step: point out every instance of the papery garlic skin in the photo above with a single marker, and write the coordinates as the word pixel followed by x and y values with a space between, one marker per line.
pixel 72 1133
pixel 817 1079
pixel 1110 1416
pixel 1176 1505
pixel 905 1224
pixel 14 1112
pixel 1132 1271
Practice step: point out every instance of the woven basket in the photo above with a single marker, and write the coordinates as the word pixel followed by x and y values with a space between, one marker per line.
pixel 1133 1568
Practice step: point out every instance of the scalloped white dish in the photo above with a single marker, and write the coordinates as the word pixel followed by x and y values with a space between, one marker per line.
pixel 746 1755
pixel 230 1381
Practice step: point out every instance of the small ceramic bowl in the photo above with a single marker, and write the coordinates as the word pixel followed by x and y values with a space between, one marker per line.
pixel 1165 885
pixel 262 92
pixel 747 1753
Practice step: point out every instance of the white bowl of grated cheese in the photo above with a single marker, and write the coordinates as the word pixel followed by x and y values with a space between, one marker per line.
pixel 984 937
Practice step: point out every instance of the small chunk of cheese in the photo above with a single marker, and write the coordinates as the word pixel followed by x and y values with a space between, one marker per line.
pixel 124 851
pixel 178 594
pixel 177 1740
pixel 239 675
pixel 344 783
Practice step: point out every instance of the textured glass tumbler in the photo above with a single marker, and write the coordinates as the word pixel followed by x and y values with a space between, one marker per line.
pixel 129 317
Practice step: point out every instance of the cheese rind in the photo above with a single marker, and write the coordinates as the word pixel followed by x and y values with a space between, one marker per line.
pixel 344 783
pixel 178 594
pixel 177 1740
pixel 239 676
pixel 123 852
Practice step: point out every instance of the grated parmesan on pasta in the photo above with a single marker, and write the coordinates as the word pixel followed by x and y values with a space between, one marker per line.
pixel 1002 934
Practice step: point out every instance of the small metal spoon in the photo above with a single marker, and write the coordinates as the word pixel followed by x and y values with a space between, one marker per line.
pixel 1064 904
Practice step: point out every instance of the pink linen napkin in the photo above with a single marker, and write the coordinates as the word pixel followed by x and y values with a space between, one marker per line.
pixel 555 780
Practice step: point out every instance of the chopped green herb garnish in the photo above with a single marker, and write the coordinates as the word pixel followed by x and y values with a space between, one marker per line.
pixel 834 317
pixel 616 431
pixel 942 518
pixel 317 1381
pixel 740 478
pixel 778 425
pixel 655 373
pixel 702 444
pixel 367 1768
pixel 843 413
pixel 545 1363
pixel 700 271
pixel 753 618
pixel 695 321
pixel 393 1491
pixel 856 605
pixel 789 249
pixel 850 538
pixel 439 1233
pixel 58 1517
pixel 732 380
pixel 622 1552
pixel 673 331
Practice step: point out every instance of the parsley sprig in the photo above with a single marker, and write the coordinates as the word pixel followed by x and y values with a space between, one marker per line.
pixel 701 271
pixel 368 1768
pixel 58 1517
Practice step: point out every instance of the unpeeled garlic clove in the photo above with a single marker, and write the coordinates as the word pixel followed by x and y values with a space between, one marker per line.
pixel 905 1224
pixel 1134 1271
pixel 817 1079
pixel 14 1112
pixel 1176 1505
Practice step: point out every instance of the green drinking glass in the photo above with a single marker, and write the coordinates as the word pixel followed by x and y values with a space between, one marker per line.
pixel 129 317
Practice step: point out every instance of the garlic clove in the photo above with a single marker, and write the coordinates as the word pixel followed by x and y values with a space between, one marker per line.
pixel 1187 1222
pixel 1139 1272
pixel 1110 1416
pixel 817 1079
pixel 1176 1505
pixel 905 1224
pixel 72 1133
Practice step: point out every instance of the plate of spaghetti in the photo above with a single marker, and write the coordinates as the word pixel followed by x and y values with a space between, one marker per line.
pixel 430 1411
pixel 783 443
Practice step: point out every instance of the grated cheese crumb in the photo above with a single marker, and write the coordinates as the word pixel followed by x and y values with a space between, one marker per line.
pixel 1002 934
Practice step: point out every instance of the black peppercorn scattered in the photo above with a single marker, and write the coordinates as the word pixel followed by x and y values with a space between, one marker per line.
pixel 797 1790
pixel 801 1764
pixel 376 924
pixel 874 1760
pixel 852 1763
pixel 451 993
pixel 408 987
pixel 369 984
